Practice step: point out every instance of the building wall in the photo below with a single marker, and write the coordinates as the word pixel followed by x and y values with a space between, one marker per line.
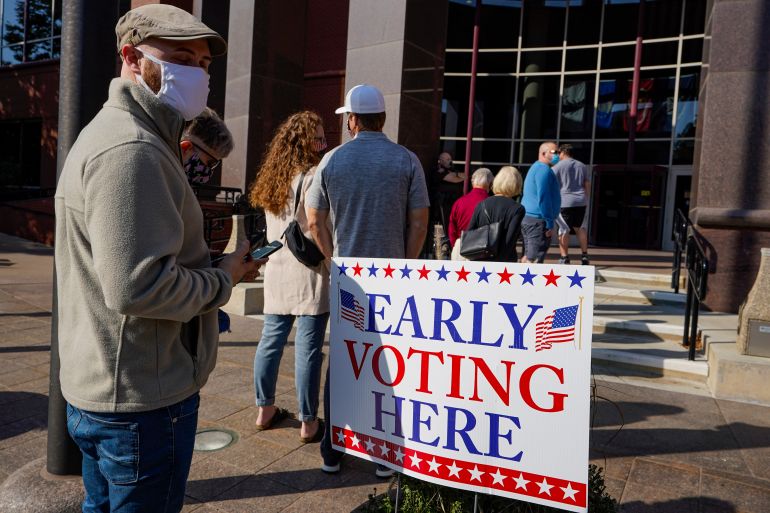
pixel 31 91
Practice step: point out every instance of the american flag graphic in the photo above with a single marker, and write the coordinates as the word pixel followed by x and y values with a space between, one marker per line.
pixel 351 310
pixel 556 328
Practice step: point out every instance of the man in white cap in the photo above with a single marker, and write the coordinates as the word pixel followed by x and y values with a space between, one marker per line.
pixel 138 329
pixel 375 192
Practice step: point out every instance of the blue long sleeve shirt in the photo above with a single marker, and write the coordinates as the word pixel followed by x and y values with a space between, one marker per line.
pixel 542 197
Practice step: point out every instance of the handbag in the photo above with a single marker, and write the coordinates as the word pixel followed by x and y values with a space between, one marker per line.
pixel 481 243
pixel 303 249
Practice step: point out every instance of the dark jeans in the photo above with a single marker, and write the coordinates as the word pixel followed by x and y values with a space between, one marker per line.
pixel 138 461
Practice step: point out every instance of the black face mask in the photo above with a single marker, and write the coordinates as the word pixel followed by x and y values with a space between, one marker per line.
pixel 197 172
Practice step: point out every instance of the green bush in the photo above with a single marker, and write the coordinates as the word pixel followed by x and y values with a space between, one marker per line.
pixel 422 497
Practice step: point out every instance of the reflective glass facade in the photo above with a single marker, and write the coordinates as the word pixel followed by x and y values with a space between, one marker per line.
pixel 30 30
pixel 563 69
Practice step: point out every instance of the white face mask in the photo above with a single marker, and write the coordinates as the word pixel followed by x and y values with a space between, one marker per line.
pixel 183 88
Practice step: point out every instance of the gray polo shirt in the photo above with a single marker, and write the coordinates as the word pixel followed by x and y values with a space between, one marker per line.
pixel 571 174
pixel 369 184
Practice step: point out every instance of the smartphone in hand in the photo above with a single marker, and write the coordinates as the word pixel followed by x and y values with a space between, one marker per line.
pixel 266 251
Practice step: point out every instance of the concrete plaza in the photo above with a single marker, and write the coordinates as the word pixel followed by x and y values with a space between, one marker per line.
pixel 666 446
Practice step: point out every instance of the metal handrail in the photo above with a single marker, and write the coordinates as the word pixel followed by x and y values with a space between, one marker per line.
pixel 697 265
pixel 680 231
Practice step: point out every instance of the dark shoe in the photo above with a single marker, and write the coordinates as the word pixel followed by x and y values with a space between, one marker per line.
pixel 315 437
pixel 584 260
pixel 384 472
pixel 564 260
pixel 279 415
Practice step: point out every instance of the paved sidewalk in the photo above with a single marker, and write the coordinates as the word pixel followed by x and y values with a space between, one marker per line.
pixel 665 447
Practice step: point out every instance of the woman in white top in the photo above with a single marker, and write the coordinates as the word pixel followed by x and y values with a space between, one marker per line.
pixel 292 290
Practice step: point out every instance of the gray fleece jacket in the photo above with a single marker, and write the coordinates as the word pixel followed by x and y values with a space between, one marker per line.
pixel 137 296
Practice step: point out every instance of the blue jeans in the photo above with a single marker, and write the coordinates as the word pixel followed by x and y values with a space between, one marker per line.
pixel 307 360
pixel 138 461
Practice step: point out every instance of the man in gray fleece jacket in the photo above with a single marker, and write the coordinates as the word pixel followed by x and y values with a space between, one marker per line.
pixel 138 328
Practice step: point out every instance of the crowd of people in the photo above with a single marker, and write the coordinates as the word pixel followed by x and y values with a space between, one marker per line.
pixel 140 293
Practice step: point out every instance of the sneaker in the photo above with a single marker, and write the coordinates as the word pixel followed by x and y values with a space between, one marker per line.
pixel 330 469
pixel 564 260
pixel 384 472
pixel 584 260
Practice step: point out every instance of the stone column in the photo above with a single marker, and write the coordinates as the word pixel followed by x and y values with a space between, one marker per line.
pixel 731 175
pixel 264 79
pixel 390 47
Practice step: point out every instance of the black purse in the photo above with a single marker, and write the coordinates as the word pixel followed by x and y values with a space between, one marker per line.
pixel 481 243
pixel 303 249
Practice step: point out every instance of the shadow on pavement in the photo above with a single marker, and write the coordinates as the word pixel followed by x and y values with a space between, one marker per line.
pixel 685 504
pixel 21 412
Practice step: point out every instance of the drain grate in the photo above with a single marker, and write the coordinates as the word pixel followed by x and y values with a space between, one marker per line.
pixel 214 439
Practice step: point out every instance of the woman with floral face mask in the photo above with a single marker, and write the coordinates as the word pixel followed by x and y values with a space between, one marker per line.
pixel 293 291
pixel 206 140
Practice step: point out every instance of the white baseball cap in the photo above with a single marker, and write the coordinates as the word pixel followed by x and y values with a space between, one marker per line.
pixel 363 99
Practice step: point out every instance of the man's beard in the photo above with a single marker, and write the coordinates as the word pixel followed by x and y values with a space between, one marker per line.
pixel 151 75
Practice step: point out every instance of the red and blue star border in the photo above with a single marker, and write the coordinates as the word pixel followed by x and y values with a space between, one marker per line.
pixel 505 481
pixel 457 274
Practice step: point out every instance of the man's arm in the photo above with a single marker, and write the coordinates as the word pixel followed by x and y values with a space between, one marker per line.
pixel 416 230
pixel 319 229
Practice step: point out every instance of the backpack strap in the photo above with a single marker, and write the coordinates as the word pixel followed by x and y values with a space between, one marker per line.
pixel 298 192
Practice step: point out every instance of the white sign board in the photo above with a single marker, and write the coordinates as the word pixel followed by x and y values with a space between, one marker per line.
pixel 473 375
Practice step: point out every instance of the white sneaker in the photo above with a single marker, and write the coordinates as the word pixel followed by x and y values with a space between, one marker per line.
pixel 384 472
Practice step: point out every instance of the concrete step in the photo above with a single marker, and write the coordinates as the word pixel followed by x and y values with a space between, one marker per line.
pixel 653 280
pixel 638 294
pixel 655 328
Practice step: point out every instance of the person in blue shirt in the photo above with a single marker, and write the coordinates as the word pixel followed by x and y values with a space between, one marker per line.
pixel 542 202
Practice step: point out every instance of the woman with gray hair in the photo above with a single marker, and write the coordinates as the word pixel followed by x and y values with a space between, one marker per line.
pixel 462 210
pixel 206 140
pixel 504 209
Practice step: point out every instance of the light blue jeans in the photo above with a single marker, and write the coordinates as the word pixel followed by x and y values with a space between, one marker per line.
pixel 308 357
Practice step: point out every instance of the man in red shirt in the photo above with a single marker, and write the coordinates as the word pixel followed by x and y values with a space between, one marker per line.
pixel 462 210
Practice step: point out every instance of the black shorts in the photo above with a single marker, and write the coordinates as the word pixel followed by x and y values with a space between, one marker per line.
pixel 573 216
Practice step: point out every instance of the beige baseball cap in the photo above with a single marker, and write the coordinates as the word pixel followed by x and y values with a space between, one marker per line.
pixel 165 22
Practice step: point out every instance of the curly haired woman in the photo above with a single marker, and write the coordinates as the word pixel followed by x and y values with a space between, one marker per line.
pixel 292 290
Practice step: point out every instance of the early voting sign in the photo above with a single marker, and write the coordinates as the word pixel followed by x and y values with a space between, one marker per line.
pixel 473 375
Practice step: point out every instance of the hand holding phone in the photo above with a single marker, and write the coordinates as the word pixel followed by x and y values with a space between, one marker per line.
pixel 266 251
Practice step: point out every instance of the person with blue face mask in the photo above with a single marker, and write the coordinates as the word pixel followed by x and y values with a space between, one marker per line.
pixel 542 203
pixel 206 140
pixel 137 327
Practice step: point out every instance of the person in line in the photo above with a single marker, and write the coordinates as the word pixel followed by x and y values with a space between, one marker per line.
pixel 462 210
pixel 447 187
pixel 293 291
pixel 541 201
pixel 206 140
pixel 504 209
pixel 575 185
pixel 374 192
pixel 138 328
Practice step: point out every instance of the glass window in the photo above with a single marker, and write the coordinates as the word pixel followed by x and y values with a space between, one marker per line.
pixel 459 32
pixel 539 107
pixel 454 107
pixel 497 62
pixel 457 62
pixel 581 150
pixel 583 23
pixel 30 30
pixel 620 20
pixel 538 62
pixel 695 17
pixel 582 59
pixel 684 150
pixel 610 152
pixel 687 109
pixel 39 20
pixel 500 26
pixel 662 18
pixel 544 23
pixel 659 54
pixel 614 57
pixel 495 153
pixel 577 106
pixel 692 50
pixel 493 116
pixel 612 105
pixel 526 153
pixel 651 152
